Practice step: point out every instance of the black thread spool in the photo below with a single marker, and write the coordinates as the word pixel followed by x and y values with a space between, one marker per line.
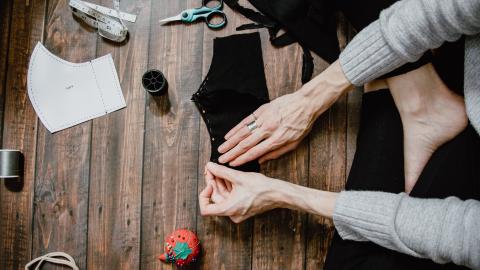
pixel 154 82
pixel 10 163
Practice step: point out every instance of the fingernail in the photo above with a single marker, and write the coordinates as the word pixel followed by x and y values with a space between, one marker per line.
pixel 221 159
pixel 220 149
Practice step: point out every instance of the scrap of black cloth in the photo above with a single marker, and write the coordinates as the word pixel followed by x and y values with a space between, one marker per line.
pixel 233 89
pixel 313 24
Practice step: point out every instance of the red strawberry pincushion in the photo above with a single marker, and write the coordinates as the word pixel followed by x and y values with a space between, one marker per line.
pixel 182 247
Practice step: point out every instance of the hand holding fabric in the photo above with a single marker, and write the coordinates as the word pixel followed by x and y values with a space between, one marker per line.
pixel 284 122
pixel 241 195
pixel 238 195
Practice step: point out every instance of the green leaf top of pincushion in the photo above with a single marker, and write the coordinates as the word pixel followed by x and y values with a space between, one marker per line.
pixel 182 250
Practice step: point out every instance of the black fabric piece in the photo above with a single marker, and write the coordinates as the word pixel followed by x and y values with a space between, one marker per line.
pixel 251 14
pixel 310 22
pixel 283 40
pixel 307 66
pixel 449 64
pixel 250 26
pixel 378 166
pixel 306 21
pixel 234 88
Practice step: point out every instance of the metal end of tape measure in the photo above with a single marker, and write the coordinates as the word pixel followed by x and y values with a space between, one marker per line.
pixel 11 165
pixel 155 82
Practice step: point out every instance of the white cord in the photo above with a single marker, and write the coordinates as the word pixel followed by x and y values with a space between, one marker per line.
pixel 50 257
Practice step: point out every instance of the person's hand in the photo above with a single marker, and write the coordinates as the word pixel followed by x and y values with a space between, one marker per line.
pixel 281 124
pixel 237 195
pixel 241 195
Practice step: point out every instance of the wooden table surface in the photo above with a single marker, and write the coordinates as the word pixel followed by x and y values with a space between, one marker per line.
pixel 109 190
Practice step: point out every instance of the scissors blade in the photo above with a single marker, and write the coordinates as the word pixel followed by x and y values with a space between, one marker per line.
pixel 172 19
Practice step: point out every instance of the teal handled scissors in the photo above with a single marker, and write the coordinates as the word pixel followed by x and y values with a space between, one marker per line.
pixel 205 12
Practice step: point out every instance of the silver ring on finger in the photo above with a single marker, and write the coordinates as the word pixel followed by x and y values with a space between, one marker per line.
pixel 252 126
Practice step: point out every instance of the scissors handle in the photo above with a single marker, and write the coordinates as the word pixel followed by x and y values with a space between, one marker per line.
pixel 209 14
pixel 211 17
pixel 219 6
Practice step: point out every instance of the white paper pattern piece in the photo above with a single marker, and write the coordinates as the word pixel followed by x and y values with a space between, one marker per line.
pixel 66 94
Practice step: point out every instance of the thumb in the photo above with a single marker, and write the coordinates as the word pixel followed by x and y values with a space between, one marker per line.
pixel 223 172
pixel 206 207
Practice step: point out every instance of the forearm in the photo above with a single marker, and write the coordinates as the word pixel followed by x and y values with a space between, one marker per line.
pixel 325 89
pixel 404 32
pixel 296 197
pixel 443 230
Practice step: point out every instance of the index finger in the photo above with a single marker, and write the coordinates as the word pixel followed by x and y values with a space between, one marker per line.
pixel 254 153
pixel 206 207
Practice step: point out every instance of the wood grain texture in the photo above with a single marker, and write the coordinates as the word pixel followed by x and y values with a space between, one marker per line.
pixel 226 245
pixel 327 168
pixel 326 172
pixel 5 19
pixel 114 219
pixel 63 158
pixel 279 239
pixel 171 132
pixel 19 133
pixel 354 98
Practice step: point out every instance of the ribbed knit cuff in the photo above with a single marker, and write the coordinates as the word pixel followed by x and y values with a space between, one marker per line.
pixel 368 56
pixel 369 216
pixel 472 83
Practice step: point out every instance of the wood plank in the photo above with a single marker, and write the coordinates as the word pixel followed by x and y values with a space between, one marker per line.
pixel 225 245
pixel 328 157
pixel 61 187
pixel 16 197
pixel 5 19
pixel 117 154
pixel 327 172
pixel 354 98
pixel 171 132
pixel 279 239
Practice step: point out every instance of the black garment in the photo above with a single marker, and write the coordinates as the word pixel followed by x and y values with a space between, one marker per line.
pixel 234 88
pixel 299 18
pixel 378 166
pixel 312 23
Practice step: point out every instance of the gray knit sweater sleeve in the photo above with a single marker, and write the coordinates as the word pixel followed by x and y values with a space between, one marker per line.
pixel 404 32
pixel 445 230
